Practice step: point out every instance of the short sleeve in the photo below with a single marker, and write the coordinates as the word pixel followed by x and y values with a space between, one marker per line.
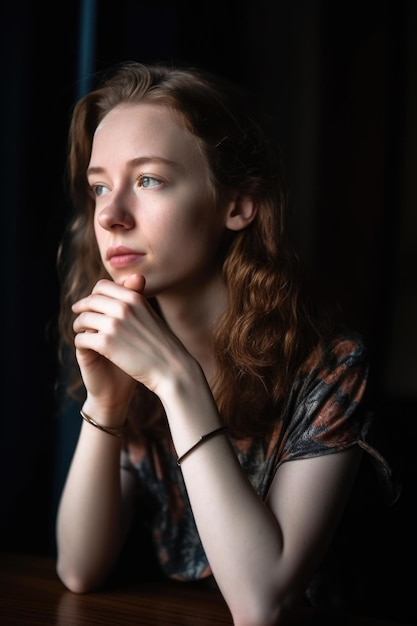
pixel 326 411
pixel 330 408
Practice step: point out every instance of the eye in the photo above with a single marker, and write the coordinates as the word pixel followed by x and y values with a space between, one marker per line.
pixel 97 190
pixel 147 182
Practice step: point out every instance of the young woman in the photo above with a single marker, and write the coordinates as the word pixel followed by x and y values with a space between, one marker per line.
pixel 217 406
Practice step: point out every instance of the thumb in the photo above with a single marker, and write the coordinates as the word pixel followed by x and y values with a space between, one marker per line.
pixel 136 282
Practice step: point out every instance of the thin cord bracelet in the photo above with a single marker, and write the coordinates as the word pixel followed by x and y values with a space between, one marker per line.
pixel 116 432
pixel 202 440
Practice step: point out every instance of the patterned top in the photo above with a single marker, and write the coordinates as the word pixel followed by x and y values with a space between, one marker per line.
pixel 324 413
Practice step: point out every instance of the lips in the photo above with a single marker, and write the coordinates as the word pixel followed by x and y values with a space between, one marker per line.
pixel 120 256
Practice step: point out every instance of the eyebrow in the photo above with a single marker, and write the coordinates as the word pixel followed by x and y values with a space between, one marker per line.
pixel 135 162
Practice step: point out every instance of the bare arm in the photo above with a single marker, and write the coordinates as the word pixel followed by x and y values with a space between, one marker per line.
pixel 95 511
pixel 96 504
pixel 262 554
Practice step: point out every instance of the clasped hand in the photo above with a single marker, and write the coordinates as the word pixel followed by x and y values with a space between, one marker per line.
pixel 120 339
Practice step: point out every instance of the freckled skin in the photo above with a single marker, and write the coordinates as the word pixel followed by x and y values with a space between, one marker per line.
pixel 170 215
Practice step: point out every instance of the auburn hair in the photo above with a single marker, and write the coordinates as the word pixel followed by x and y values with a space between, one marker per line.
pixel 269 327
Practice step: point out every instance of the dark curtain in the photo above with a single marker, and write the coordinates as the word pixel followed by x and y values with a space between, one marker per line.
pixel 339 81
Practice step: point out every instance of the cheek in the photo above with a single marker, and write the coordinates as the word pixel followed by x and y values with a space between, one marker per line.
pixel 176 221
pixel 98 233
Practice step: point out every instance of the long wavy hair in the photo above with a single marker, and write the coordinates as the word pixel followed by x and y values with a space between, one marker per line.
pixel 268 328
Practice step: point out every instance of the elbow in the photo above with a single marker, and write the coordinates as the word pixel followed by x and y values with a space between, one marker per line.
pixel 76 581
pixel 260 619
pixel 261 610
pixel 272 615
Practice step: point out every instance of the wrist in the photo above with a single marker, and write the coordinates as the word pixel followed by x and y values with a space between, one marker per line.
pixel 190 407
pixel 185 379
pixel 112 417
pixel 115 432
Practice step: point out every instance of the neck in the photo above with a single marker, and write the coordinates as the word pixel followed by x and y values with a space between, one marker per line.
pixel 191 318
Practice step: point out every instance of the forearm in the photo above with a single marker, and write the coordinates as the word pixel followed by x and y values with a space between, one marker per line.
pixel 241 537
pixel 89 521
pixel 262 554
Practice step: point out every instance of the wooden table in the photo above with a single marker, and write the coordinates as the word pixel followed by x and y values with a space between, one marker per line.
pixel 32 595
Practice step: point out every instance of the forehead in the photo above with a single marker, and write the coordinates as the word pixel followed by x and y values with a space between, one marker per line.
pixel 138 110
pixel 139 126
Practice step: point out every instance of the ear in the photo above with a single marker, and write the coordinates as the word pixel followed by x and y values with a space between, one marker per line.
pixel 240 213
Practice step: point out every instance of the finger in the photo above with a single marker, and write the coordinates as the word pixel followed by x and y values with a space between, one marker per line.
pixel 136 282
pixel 107 291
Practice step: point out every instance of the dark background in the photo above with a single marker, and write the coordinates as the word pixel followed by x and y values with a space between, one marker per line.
pixel 340 80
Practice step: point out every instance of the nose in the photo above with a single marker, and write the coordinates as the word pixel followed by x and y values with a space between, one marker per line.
pixel 116 215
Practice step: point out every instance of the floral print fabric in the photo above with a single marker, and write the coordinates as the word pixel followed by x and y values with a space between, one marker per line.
pixel 323 414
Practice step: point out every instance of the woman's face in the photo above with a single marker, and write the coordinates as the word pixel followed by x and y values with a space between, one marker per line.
pixel 155 212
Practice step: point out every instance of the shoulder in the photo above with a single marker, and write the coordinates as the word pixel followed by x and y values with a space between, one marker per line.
pixel 328 402
pixel 349 347
pixel 332 357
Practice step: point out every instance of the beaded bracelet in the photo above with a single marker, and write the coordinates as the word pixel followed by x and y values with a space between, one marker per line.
pixel 198 443
pixel 116 432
